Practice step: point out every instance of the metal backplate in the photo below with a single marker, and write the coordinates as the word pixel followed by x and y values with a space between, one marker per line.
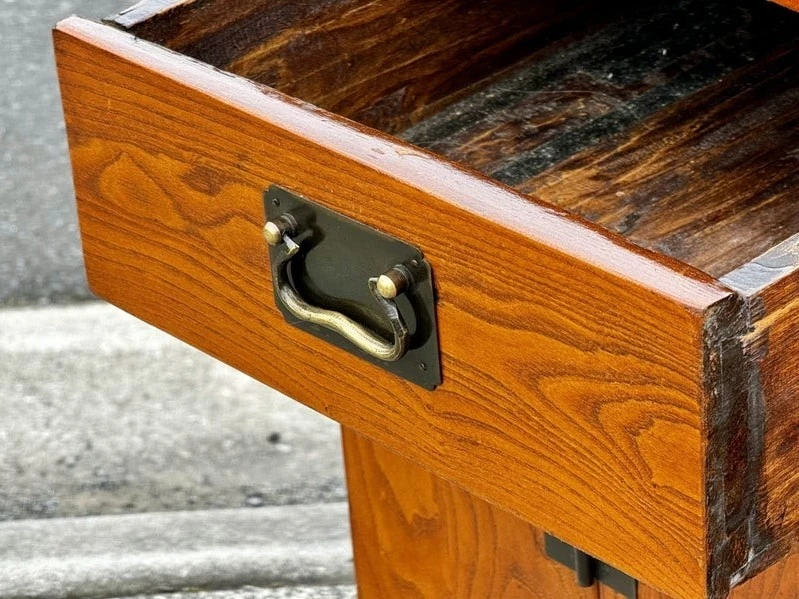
pixel 337 257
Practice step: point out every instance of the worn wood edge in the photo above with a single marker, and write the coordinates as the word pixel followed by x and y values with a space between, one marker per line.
pixel 751 282
pixel 738 547
pixel 742 544
pixel 766 270
pixel 754 281
pixel 733 438
pixel 448 182
pixel 143 11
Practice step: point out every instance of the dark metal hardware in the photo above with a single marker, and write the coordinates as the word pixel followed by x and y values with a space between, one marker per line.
pixel 589 569
pixel 353 286
pixel 360 336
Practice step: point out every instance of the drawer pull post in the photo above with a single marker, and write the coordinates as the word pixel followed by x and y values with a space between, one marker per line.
pixel 384 289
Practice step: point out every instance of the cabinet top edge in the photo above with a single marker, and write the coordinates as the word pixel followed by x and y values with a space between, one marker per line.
pixel 144 10
pixel 768 269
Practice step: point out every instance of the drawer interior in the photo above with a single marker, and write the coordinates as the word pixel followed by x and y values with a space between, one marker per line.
pixel 675 124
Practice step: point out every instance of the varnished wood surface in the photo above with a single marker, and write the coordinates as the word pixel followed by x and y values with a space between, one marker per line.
pixel 780 581
pixel 415 536
pixel 385 64
pixel 598 129
pixel 573 363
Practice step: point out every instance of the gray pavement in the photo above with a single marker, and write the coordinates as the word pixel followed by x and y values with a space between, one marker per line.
pixel 39 248
pixel 107 422
pixel 107 556
pixel 131 464
pixel 104 414
pixel 303 592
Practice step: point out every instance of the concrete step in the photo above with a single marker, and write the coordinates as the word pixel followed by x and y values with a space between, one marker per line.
pixel 305 546
pixel 101 413
pixel 315 592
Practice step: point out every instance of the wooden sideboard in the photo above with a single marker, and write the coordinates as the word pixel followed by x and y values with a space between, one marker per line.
pixel 605 196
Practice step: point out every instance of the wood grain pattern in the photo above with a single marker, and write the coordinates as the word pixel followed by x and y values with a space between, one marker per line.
pixel 771 286
pixel 710 180
pixel 574 374
pixel 598 129
pixel 385 64
pixel 418 536
pixel 415 536
pixel 557 105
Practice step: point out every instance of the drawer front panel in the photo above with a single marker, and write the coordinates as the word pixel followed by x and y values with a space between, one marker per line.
pixel 572 364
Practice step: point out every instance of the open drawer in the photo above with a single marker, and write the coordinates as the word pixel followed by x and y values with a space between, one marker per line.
pixel 606 195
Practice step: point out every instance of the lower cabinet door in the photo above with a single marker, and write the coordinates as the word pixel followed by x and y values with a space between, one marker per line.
pixel 417 536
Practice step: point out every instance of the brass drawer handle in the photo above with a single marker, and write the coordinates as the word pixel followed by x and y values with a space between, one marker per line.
pixel 384 289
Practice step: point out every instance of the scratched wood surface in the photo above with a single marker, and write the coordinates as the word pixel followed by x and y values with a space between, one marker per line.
pixel 626 128
pixel 146 10
pixel 710 180
pixel 572 391
pixel 384 64
pixel 770 284
pixel 418 536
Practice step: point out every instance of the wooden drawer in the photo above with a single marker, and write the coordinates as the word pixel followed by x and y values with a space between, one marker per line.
pixel 606 196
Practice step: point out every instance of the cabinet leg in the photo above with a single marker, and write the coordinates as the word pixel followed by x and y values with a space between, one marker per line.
pixel 417 536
